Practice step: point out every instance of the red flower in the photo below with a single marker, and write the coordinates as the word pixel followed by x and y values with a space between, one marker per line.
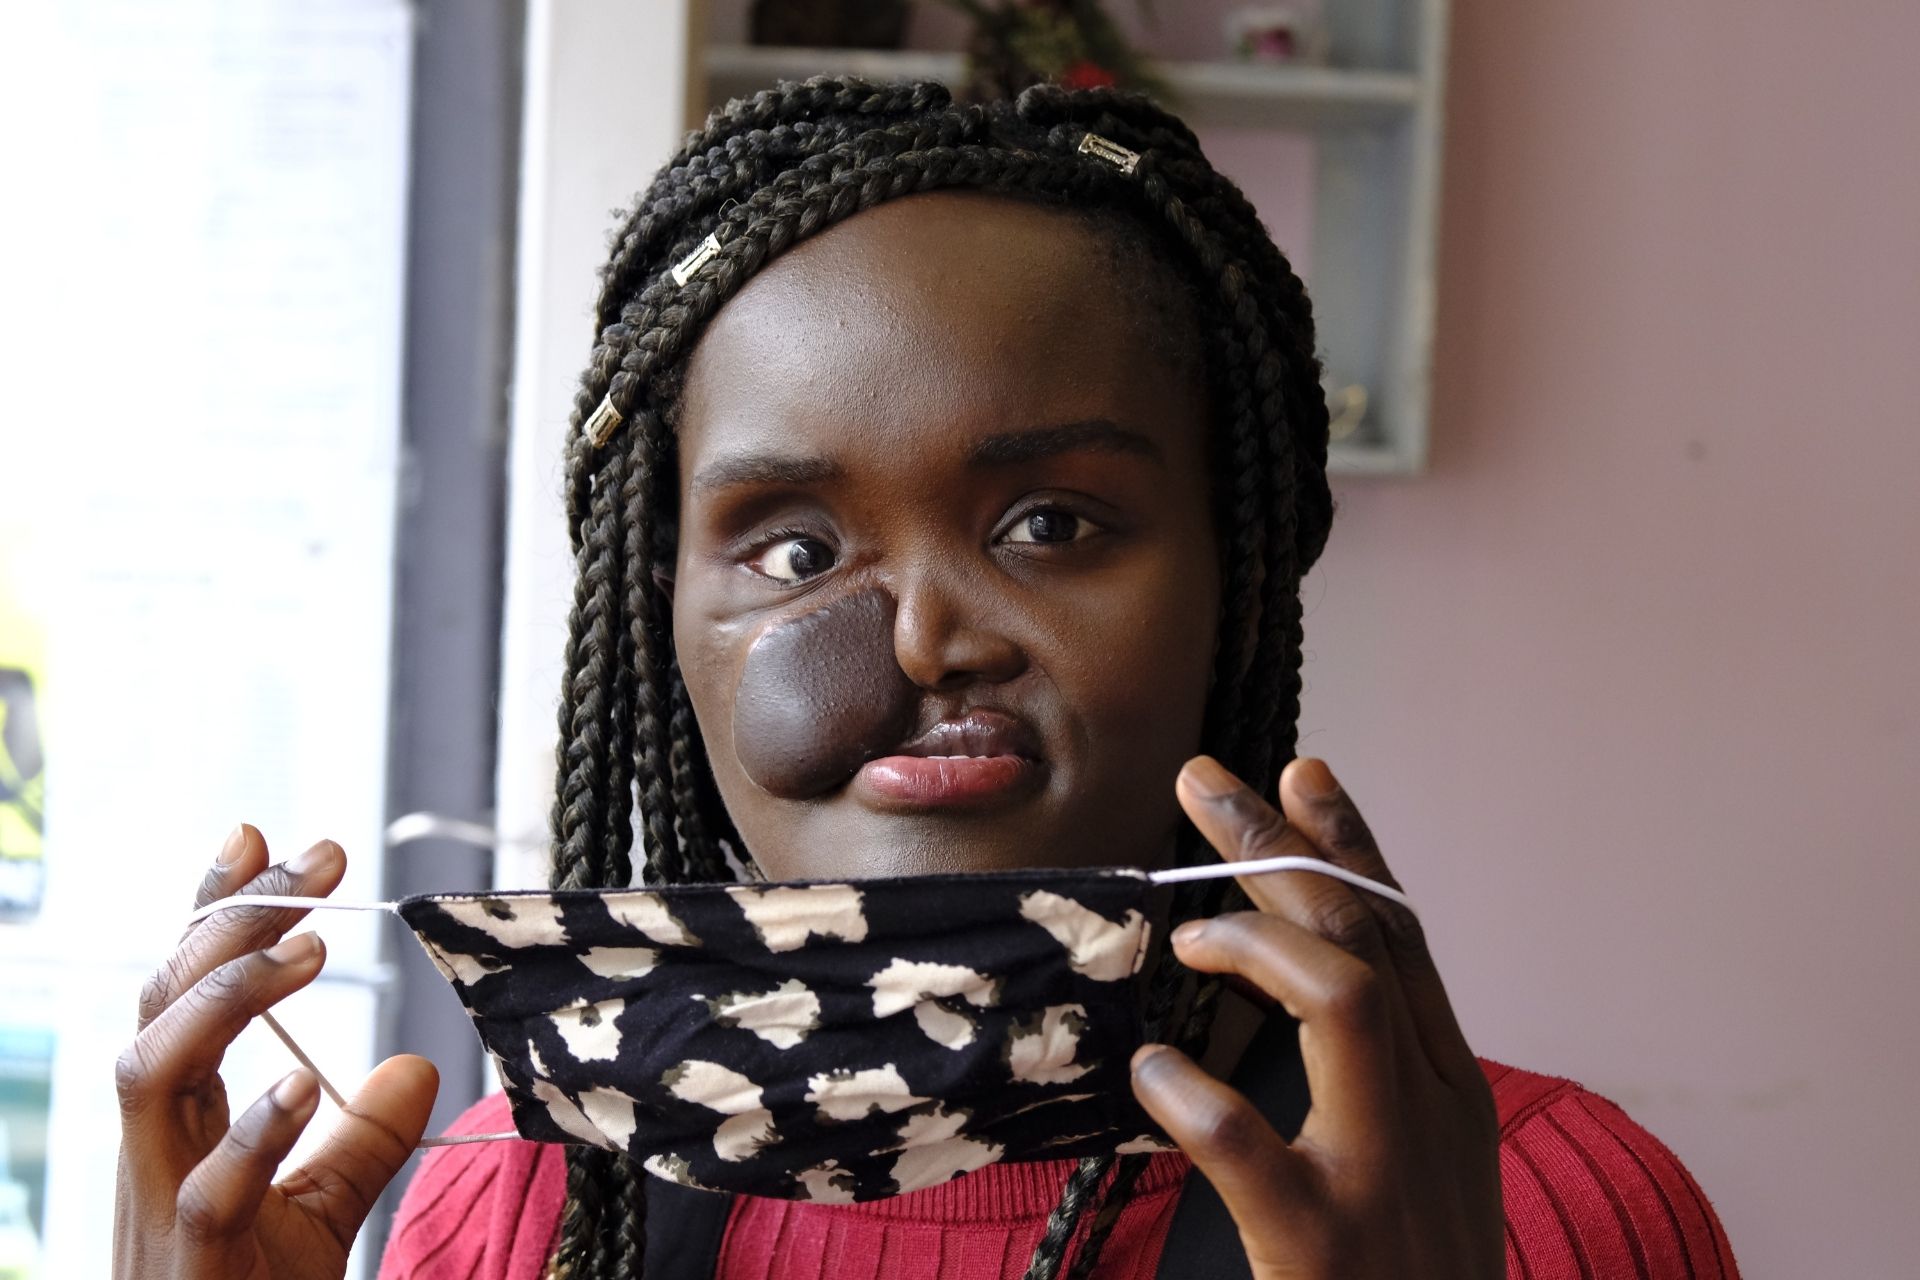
pixel 1087 75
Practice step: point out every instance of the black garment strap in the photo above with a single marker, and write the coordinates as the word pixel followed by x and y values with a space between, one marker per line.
pixel 1202 1242
pixel 685 1228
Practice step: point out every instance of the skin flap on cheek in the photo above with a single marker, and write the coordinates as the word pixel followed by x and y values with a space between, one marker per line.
pixel 821 694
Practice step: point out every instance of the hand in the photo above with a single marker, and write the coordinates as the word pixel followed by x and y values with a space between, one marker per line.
pixel 195 1195
pixel 1395 1173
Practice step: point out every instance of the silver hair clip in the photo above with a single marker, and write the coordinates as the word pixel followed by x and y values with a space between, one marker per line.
pixel 699 258
pixel 1092 144
pixel 605 421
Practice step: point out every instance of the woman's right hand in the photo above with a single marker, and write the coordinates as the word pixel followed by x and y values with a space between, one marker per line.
pixel 195 1195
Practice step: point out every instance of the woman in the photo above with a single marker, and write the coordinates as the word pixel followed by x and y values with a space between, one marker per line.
pixel 1030 385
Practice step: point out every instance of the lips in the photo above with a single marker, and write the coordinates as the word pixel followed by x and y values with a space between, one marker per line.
pixel 980 758
pixel 978 733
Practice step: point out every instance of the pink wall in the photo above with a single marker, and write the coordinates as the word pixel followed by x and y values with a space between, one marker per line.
pixel 1627 681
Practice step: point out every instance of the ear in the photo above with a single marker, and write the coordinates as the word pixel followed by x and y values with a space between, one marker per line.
pixel 663 579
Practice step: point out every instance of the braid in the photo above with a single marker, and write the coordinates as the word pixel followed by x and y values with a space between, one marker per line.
pixel 628 1246
pixel 652 697
pixel 761 175
pixel 588 699
pixel 578 1254
pixel 1118 1194
pixel 1082 1183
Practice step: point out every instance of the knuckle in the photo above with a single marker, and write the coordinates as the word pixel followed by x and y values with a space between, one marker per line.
pixel 132 1072
pixel 1345 921
pixel 244 1140
pixel 1347 831
pixel 1398 921
pixel 277 880
pixel 1225 1134
pixel 157 992
pixel 212 886
pixel 196 1216
pixel 231 983
pixel 1257 825
pixel 1405 935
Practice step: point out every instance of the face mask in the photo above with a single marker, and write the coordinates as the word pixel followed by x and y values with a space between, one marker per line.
pixel 814 1041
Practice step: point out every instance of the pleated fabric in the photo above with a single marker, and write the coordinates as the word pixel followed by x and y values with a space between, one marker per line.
pixel 980 1227
pixel 1590 1195
pixel 485 1211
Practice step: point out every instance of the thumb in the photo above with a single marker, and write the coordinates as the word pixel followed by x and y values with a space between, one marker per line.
pixel 371 1140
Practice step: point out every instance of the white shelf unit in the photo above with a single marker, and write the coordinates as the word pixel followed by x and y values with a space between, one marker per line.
pixel 1373 116
pixel 1239 94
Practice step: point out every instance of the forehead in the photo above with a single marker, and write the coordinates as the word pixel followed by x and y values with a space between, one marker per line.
pixel 955 313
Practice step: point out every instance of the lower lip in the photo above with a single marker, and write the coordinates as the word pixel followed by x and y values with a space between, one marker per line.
pixel 931 781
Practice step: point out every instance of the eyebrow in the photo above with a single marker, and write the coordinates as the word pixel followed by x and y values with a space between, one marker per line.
pixel 1094 435
pixel 765 469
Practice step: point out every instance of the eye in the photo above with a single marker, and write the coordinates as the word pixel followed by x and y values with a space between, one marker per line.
pixel 1049 525
pixel 793 559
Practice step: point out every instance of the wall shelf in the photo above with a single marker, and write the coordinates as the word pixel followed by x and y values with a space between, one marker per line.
pixel 1348 154
pixel 1218 93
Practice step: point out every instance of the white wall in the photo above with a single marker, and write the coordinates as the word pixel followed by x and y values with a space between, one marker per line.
pixel 606 104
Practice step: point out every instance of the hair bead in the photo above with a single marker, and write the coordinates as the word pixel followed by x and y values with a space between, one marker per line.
pixel 690 265
pixel 1092 144
pixel 605 421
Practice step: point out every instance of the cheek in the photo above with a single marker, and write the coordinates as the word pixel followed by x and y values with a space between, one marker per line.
pixel 710 658
pixel 1133 660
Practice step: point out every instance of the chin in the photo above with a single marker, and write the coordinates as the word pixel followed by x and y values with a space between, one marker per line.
pixel 865 843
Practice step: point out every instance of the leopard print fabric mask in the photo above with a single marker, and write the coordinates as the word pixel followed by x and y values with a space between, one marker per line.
pixel 813 1041
pixel 829 1041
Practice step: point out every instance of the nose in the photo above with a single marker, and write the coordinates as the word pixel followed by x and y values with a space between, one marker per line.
pixel 949 633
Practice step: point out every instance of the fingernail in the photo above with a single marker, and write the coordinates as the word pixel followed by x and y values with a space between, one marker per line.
pixel 313 859
pixel 235 846
pixel 1143 1054
pixel 301 946
pixel 1208 778
pixel 1315 779
pixel 1189 932
pixel 296 1090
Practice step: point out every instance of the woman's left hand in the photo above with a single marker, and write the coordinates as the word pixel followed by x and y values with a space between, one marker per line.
pixel 1396 1171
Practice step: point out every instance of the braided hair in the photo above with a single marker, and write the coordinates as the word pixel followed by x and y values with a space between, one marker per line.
pixel 764 174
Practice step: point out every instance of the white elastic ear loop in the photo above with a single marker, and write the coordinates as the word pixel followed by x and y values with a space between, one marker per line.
pixel 293 1046
pixel 1260 866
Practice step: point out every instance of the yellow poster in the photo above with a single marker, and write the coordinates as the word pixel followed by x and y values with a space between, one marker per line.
pixel 23 788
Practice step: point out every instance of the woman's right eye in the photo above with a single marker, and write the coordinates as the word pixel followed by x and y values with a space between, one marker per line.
pixel 793 560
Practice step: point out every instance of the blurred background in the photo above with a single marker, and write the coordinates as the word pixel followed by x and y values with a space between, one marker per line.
pixel 1615 638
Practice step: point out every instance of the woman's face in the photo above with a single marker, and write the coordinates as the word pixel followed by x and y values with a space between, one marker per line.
pixel 947 585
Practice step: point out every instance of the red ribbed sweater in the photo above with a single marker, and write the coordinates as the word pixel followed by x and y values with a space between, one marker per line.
pixel 1589 1195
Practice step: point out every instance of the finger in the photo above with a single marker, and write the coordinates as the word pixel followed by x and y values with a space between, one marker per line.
pixel 241 858
pixel 1243 827
pixel 1269 1188
pixel 180 1051
pixel 314 873
pixel 1318 807
pixel 220 1198
pixel 375 1134
pixel 1347 1028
